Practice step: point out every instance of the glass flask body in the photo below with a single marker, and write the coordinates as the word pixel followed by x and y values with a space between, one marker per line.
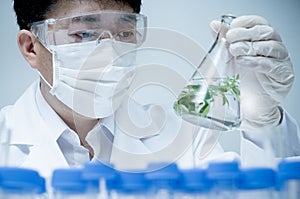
pixel 211 99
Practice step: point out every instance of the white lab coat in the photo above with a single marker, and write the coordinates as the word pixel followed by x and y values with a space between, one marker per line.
pixel 34 146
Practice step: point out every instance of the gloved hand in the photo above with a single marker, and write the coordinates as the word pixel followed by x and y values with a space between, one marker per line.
pixel 266 72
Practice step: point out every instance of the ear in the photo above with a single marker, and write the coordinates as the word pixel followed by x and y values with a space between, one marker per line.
pixel 26 42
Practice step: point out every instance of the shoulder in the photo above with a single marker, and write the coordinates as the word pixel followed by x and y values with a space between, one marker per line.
pixel 4 112
pixel 10 112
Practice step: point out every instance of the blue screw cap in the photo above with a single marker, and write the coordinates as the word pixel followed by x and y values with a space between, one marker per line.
pixel 164 177
pixel 257 178
pixel 68 181
pixel 195 180
pixel 98 170
pixel 289 170
pixel 224 175
pixel 21 180
pixel 133 182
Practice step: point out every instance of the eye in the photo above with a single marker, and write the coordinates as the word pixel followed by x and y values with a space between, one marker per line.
pixel 127 36
pixel 84 35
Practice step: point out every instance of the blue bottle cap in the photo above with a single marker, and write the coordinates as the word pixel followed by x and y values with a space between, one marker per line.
pixel 257 178
pixel 164 177
pixel 289 170
pixel 223 170
pixel 21 180
pixel 93 172
pixel 224 174
pixel 132 182
pixel 194 180
pixel 68 181
pixel 98 170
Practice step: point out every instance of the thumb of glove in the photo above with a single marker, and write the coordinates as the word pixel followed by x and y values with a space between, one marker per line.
pixel 217 27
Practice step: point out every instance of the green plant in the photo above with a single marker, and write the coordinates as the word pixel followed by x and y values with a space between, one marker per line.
pixel 188 101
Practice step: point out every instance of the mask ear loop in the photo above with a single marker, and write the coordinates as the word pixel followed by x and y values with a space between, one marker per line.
pixel 44 79
pixel 35 32
pixel 40 74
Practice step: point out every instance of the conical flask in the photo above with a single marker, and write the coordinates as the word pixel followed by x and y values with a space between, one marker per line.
pixel 211 99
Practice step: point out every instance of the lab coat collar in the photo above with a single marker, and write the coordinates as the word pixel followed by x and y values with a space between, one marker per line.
pixel 108 123
pixel 55 123
pixel 58 126
pixel 47 119
pixel 25 116
pixel 31 111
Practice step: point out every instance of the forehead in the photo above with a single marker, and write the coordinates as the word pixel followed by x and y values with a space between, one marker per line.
pixel 65 8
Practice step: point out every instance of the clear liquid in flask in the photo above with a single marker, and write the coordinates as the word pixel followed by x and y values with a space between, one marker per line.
pixel 211 103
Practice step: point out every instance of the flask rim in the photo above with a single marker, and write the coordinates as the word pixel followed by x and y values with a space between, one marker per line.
pixel 227 18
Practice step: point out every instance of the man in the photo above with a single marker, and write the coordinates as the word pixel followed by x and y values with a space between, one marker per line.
pixel 59 122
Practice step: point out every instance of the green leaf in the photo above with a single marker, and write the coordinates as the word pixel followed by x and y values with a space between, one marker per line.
pixel 205 109
pixel 225 100
pixel 194 88
pixel 186 102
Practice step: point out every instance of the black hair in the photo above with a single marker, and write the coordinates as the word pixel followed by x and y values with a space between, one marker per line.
pixel 29 11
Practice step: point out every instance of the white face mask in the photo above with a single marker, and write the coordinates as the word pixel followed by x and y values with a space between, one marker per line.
pixel 92 79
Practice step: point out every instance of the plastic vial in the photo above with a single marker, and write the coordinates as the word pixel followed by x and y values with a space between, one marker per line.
pixel 101 177
pixel 68 184
pixel 194 185
pixel 162 181
pixel 21 183
pixel 224 177
pixel 132 186
pixel 289 179
pixel 258 183
pixel 212 97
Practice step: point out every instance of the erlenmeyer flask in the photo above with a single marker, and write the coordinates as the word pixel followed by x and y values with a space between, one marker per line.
pixel 212 97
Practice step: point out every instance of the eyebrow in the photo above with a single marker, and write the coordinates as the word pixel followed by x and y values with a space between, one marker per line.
pixel 128 18
pixel 86 19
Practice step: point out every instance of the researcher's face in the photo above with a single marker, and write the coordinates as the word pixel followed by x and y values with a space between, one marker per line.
pixel 69 8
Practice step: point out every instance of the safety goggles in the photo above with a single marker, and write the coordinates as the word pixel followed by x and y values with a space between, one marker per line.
pixel 117 25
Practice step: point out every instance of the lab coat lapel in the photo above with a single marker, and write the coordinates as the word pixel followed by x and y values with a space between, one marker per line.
pixel 53 159
pixel 44 154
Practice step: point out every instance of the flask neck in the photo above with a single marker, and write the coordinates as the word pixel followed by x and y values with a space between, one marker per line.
pixel 225 25
pixel 227 19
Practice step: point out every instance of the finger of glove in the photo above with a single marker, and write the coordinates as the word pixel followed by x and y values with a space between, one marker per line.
pixel 268 119
pixel 248 21
pixel 216 27
pixel 257 104
pixel 275 76
pixel 273 49
pixel 256 33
